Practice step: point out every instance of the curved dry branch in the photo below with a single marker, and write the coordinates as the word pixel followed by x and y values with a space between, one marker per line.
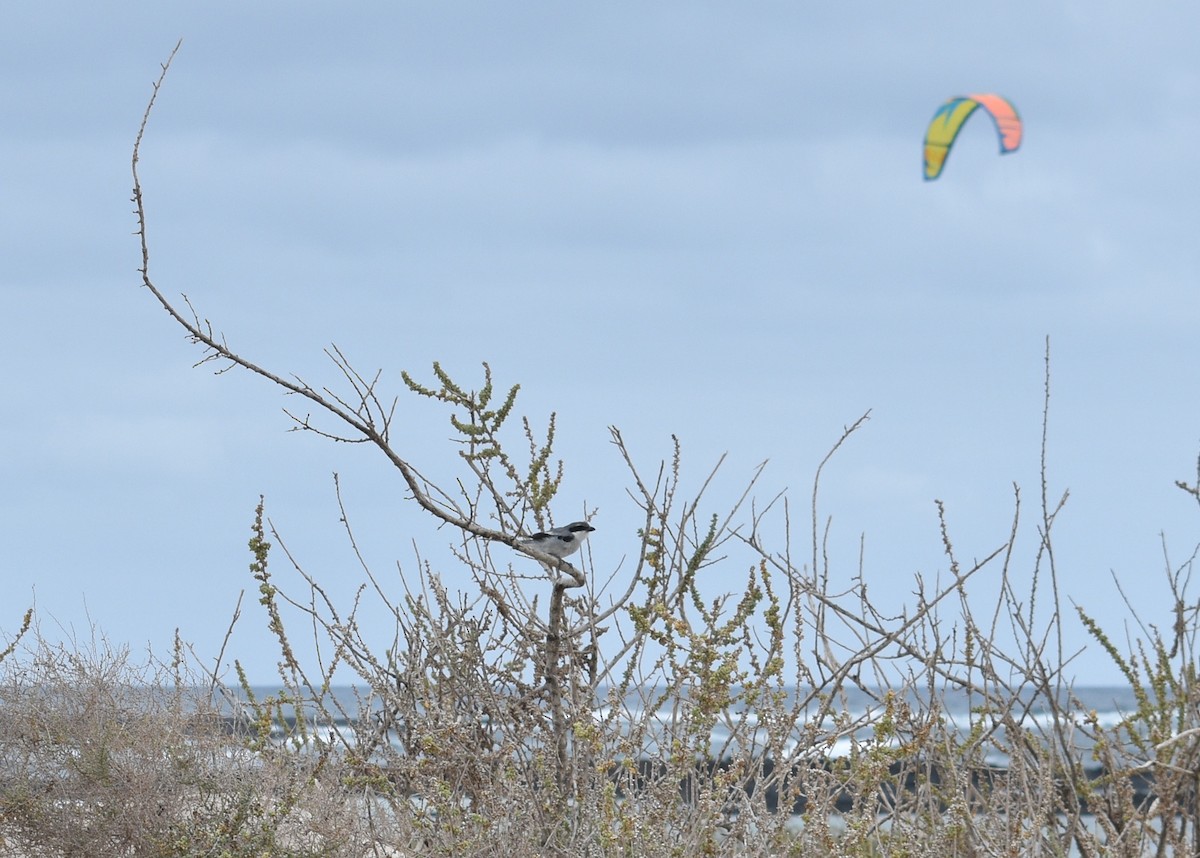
pixel 365 414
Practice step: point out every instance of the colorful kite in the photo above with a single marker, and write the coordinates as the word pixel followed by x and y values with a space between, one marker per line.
pixel 949 119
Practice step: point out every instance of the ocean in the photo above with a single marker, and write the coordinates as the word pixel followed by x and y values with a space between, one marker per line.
pixel 1107 705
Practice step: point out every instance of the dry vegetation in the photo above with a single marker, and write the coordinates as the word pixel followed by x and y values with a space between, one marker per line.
pixel 642 718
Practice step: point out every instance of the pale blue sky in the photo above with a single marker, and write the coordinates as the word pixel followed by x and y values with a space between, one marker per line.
pixel 697 219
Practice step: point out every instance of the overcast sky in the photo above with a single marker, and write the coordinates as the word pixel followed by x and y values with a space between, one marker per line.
pixel 698 219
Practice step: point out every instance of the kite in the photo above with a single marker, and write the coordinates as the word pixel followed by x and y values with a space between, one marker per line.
pixel 949 119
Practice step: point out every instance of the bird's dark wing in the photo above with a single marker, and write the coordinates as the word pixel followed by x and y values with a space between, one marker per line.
pixel 541 536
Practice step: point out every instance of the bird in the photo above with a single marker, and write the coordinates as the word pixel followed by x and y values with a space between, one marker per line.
pixel 559 541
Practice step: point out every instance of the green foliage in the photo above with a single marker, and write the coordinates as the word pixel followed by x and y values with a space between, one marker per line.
pixel 26 621
pixel 260 549
pixel 478 424
pixel 1160 739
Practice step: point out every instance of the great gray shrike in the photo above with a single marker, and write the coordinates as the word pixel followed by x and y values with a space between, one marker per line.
pixel 559 541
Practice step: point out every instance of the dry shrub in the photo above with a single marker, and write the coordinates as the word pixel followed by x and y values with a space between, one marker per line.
pixel 102 756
